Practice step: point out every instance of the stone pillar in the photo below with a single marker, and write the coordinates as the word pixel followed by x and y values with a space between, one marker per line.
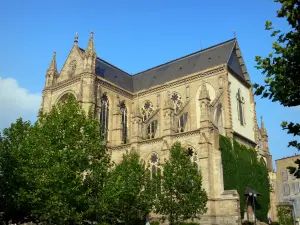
pixel 117 126
pixel 136 125
pixel 168 113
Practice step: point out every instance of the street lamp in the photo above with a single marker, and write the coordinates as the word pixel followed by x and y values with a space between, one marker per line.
pixel 252 193
pixel 253 201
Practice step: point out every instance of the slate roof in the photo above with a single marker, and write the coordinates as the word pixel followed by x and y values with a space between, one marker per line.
pixel 223 53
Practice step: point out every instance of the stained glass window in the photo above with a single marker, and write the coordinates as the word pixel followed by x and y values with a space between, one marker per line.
pixel 176 100
pixel 151 129
pixel 104 115
pixel 154 165
pixel 147 110
pixel 124 122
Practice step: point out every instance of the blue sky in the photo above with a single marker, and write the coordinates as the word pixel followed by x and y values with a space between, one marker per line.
pixel 133 35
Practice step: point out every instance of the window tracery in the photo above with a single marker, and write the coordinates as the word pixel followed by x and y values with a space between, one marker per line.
pixel 151 129
pixel 182 122
pixel 104 115
pixel 123 110
pixel 176 100
pixel 147 110
pixel 154 165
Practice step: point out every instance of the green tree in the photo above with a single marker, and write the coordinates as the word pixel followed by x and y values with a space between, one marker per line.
pixel 68 165
pixel 282 67
pixel 182 196
pixel 14 206
pixel 128 196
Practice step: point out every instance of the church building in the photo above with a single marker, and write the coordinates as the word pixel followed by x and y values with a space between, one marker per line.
pixel 192 99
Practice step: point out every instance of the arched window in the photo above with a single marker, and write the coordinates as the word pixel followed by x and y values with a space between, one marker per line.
pixel 72 68
pixel 193 157
pixel 147 110
pixel 151 129
pixel 65 97
pixel 104 115
pixel 154 165
pixel 182 122
pixel 176 100
pixel 124 122
pixel 240 107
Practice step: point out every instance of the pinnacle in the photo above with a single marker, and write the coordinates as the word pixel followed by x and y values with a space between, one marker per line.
pixel 262 127
pixel 90 49
pixel 76 39
pixel 53 66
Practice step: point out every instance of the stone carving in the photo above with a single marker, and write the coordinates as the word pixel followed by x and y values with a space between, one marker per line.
pixel 286 189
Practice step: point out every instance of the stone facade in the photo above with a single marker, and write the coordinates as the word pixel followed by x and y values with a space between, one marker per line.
pixel 287 186
pixel 191 100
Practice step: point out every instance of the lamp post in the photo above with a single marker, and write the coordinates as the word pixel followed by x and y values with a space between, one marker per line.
pixel 253 201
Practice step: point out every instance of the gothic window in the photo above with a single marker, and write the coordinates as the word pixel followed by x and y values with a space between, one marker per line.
pixel 65 97
pixel 124 122
pixel 104 115
pixel 147 110
pixel 193 157
pixel 151 129
pixel 240 108
pixel 154 165
pixel 176 100
pixel 72 68
pixel 182 122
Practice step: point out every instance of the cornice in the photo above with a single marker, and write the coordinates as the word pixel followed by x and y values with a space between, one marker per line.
pixel 66 83
pixel 184 80
pixel 119 147
pixel 186 134
pixel 151 141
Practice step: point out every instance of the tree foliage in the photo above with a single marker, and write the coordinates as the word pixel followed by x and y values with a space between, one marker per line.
pixel 128 196
pixel 59 164
pixel 282 67
pixel 242 169
pixel 182 196
pixel 285 214
pixel 13 162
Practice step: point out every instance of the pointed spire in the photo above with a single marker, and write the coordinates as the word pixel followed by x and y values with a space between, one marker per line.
pixel 76 39
pixel 53 66
pixel 204 92
pixel 90 49
pixel 262 127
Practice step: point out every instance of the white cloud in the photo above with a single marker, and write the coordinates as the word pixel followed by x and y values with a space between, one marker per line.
pixel 16 102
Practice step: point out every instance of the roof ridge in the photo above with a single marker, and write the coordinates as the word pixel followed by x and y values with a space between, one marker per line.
pixel 109 64
pixel 186 56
